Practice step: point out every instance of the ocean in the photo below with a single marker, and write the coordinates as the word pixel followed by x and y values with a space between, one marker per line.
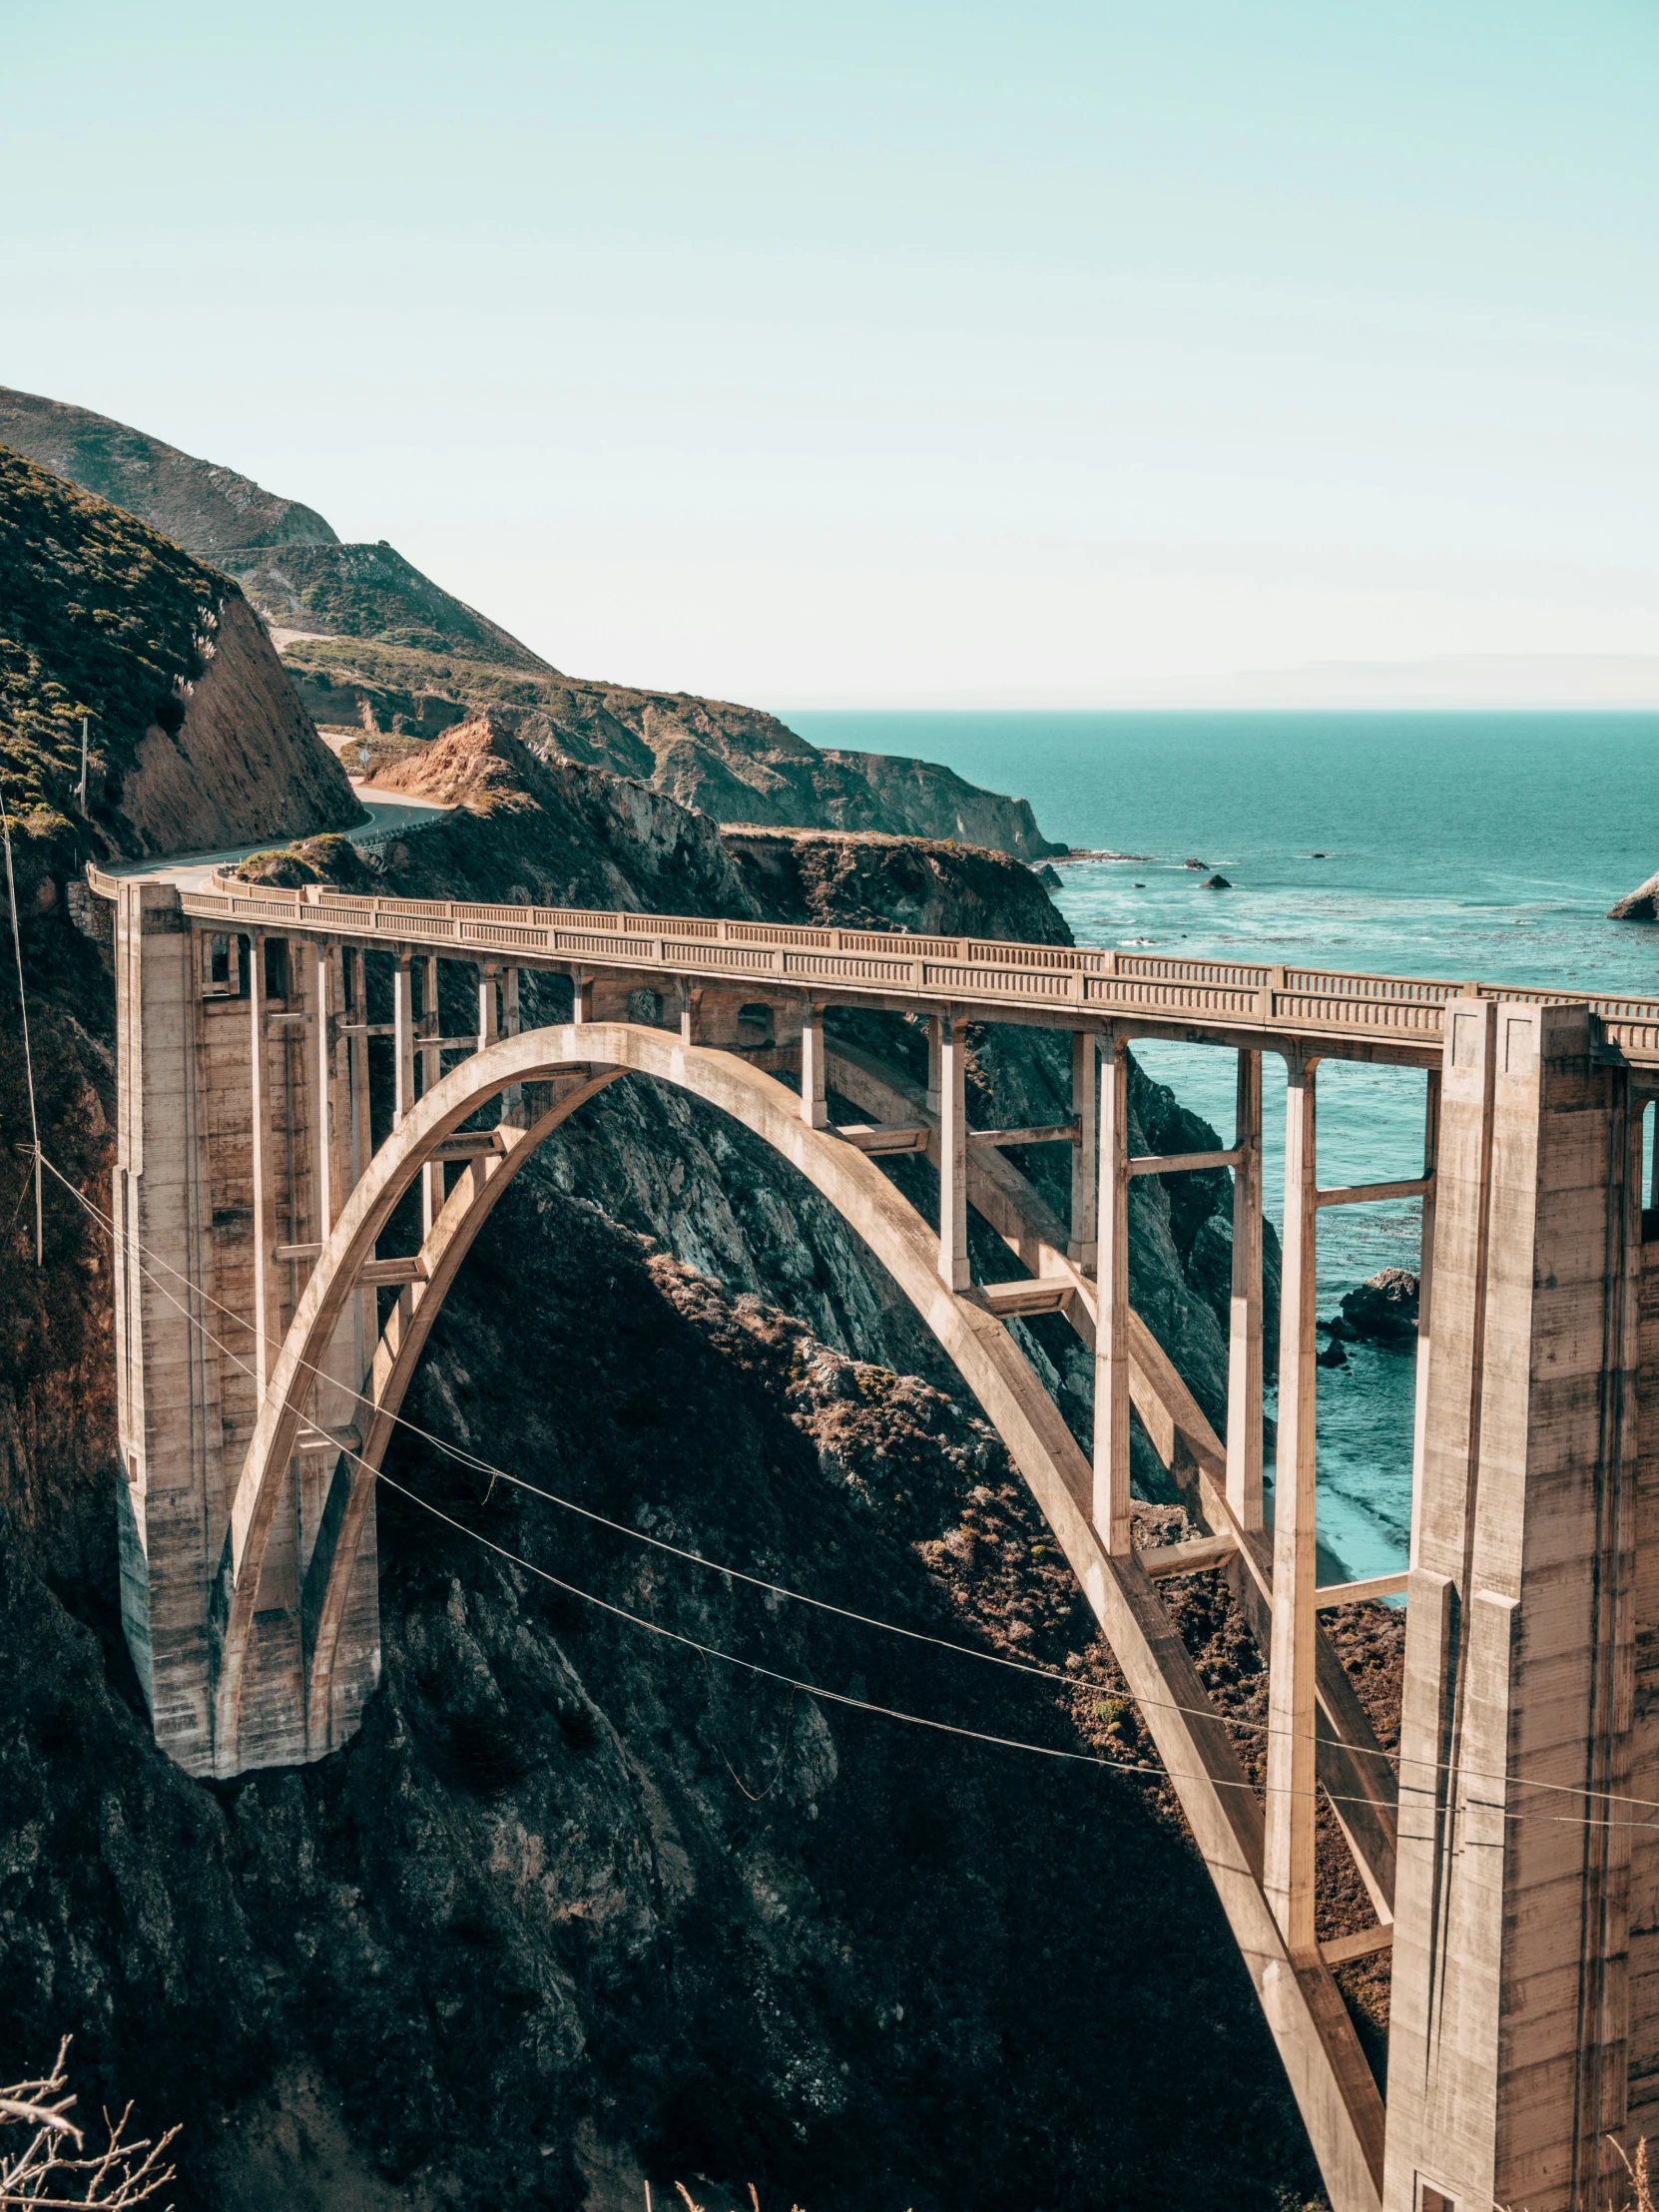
pixel 1468 846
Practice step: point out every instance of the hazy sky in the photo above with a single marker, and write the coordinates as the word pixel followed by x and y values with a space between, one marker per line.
pixel 886 354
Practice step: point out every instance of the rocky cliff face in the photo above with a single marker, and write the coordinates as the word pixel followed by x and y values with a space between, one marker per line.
pixel 920 798
pixel 196 738
pixel 728 761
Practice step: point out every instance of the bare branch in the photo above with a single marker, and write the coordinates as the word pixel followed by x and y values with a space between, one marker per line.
pixel 120 2175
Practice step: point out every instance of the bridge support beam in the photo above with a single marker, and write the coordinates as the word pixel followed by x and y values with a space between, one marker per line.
pixel 1244 1342
pixel 1292 1775
pixel 1111 1334
pixel 951 1050
pixel 1083 1239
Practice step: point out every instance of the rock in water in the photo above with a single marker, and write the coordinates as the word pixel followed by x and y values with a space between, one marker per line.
pixel 1195 864
pixel 1641 905
pixel 1215 884
pixel 1383 1310
pixel 1049 877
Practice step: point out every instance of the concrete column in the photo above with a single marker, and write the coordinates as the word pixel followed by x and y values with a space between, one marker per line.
pixel 403 1015
pixel 488 1025
pixel 1292 1749
pixel 936 1067
pixel 1426 1299
pixel 953 1252
pixel 356 1002
pixel 432 1024
pixel 431 1072
pixel 582 999
pixel 512 1101
pixel 261 1170
pixel 1509 2041
pixel 323 964
pixel 1083 1243
pixel 168 1378
pixel 1244 1338
pixel 815 1107
pixel 1111 1334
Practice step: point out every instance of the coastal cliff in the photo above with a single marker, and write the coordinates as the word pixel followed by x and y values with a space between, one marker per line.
pixel 373 645
pixel 196 739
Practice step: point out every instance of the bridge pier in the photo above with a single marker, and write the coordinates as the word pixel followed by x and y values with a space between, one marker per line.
pixel 234 1140
pixel 1510 2038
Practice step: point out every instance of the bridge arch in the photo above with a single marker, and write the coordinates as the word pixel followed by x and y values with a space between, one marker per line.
pixel 1331 2081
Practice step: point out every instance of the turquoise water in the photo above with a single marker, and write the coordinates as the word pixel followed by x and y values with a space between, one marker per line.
pixel 1464 845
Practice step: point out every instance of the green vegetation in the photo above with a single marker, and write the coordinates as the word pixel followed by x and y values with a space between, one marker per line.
pixel 99 616
pixel 408 672
pixel 369 591
pixel 330 858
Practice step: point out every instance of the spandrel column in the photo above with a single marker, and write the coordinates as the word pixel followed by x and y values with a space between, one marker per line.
pixel 1083 1242
pixel 954 1251
pixel 1111 1334
pixel 1291 1762
pixel 1244 1342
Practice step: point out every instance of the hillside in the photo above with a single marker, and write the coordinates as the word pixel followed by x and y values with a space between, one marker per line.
pixel 372 643
pixel 736 763
pixel 371 590
pixel 196 738
pixel 200 506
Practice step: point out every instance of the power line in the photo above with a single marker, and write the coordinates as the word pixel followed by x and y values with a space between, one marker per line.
pixel 837 1697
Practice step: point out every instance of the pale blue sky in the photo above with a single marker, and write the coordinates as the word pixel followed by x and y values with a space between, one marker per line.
pixel 887 355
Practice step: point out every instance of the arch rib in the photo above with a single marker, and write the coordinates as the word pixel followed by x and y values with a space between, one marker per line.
pixel 1333 2084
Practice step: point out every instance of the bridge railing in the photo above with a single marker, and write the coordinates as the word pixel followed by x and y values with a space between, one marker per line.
pixel 1405 1010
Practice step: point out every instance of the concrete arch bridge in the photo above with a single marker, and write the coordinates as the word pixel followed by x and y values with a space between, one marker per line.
pixel 1512 1878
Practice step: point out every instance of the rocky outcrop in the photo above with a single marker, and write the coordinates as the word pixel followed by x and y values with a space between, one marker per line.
pixel 1641 905
pixel 920 798
pixel 1382 1310
pixel 196 738
pixel 868 882
pixel 199 505
pixel 552 833
pixel 244 761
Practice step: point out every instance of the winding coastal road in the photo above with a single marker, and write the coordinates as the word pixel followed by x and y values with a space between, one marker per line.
pixel 390 813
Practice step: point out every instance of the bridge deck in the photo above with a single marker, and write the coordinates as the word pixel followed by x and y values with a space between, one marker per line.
pixel 1391 1018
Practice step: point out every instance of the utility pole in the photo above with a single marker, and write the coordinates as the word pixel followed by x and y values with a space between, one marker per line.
pixel 83 765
